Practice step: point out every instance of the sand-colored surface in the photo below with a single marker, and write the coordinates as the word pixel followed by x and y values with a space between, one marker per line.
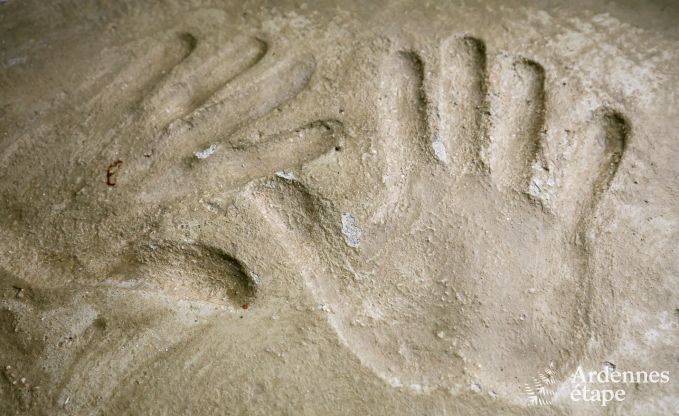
pixel 337 207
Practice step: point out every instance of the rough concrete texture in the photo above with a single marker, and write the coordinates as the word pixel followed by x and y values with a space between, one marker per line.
pixel 287 207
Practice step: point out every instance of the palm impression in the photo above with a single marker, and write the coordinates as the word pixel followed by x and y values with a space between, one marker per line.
pixel 451 251
pixel 181 112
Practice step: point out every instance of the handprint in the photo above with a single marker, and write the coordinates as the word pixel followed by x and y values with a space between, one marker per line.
pixel 187 112
pixel 453 251
pixel 124 161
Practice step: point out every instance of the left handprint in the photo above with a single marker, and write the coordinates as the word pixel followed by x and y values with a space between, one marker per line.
pixel 182 115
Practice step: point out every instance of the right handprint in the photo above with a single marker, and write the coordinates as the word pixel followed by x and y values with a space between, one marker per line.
pixel 451 251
